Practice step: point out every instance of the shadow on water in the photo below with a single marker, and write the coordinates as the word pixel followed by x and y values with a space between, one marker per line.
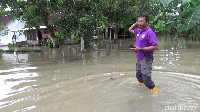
pixel 68 80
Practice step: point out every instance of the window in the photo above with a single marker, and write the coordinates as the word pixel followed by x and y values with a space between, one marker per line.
pixel 46 31
pixel 31 35
pixel 6 32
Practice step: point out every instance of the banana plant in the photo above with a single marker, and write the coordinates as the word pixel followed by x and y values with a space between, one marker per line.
pixel 189 14
pixel 166 12
pixel 190 18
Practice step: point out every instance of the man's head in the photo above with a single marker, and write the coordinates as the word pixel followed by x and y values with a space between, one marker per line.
pixel 143 21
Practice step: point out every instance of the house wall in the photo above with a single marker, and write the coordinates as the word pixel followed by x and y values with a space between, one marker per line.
pixel 43 34
pixel 33 41
pixel 6 38
pixel 47 35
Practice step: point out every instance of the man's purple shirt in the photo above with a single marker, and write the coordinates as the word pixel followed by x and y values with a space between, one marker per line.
pixel 145 38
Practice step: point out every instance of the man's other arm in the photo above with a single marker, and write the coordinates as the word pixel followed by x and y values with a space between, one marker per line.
pixel 147 49
pixel 151 48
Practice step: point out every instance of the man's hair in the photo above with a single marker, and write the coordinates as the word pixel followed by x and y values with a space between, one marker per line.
pixel 144 15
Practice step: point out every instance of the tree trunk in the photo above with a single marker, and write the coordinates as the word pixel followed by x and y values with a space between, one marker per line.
pixel 110 34
pixel 116 34
pixel 106 33
pixel 55 53
pixel 82 44
pixel 165 24
pixel 55 41
pixel 53 36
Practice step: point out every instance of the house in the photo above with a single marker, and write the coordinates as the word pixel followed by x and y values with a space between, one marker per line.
pixel 13 31
pixel 8 30
pixel 35 36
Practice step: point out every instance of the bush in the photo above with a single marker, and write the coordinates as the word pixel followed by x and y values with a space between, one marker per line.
pixel 29 50
pixel 44 43
pixel 77 37
pixel 49 42
pixel 59 36
pixel 10 50
pixel 21 50
pixel 10 45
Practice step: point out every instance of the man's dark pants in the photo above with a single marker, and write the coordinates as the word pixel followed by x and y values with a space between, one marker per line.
pixel 143 72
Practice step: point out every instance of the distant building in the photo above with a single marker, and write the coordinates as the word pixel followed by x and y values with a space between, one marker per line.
pixel 8 30
pixel 35 36
pixel 14 32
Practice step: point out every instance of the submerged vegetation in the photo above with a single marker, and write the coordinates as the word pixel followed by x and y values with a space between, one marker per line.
pixel 21 50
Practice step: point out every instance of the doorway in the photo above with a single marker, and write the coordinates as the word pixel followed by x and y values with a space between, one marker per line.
pixel 40 36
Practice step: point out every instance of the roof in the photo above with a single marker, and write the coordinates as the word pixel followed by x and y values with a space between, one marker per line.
pixel 5 20
pixel 33 28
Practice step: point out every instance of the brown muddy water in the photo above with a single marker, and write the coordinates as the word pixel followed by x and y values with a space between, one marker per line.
pixel 68 80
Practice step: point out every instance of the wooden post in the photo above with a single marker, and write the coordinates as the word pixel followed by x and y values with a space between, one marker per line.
pixel 14 39
pixel 82 44
pixel 110 34
pixel 106 32
pixel 124 33
pixel 98 35
pixel 83 57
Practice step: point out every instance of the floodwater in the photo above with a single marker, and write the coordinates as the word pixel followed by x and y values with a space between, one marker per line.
pixel 68 80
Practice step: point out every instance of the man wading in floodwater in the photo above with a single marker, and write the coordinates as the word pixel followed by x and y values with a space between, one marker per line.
pixel 146 43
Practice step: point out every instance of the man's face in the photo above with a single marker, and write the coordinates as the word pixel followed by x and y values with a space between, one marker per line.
pixel 142 23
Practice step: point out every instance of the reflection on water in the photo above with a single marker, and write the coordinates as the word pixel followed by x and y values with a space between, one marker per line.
pixel 66 79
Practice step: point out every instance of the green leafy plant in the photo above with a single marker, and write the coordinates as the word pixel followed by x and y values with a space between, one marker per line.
pixel 44 43
pixel 77 37
pixel 49 42
pixel 191 19
pixel 60 37
pixel 10 45
pixel 21 50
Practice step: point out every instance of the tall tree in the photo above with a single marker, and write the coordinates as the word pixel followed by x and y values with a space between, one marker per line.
pixel 121 13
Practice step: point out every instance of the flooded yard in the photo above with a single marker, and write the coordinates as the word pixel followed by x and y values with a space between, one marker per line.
pixel 67 80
